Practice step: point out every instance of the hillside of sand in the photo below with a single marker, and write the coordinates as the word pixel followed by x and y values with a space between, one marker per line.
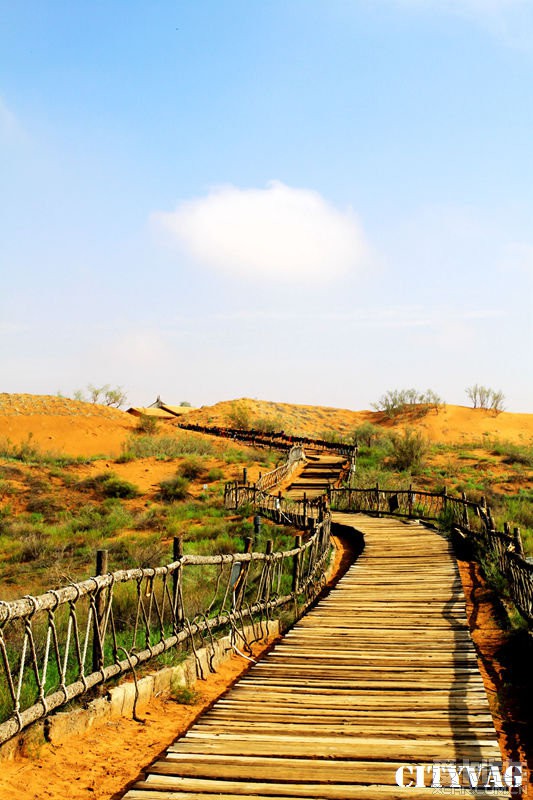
pixel 69 427
pixel 451 424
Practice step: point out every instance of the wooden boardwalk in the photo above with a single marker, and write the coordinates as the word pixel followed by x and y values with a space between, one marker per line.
pixel 381 673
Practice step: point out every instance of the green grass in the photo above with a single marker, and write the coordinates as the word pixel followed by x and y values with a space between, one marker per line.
pixel 28 452
pixel 166 447
pixel 514 453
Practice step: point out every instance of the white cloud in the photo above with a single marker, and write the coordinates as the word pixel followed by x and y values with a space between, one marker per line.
pixel 279 233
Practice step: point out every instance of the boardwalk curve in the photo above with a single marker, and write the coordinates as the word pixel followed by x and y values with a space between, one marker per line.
pixel 379 675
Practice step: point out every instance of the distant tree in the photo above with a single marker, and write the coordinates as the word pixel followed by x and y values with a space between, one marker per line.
pixel 484 397
pixel 103 394
pixel 398 401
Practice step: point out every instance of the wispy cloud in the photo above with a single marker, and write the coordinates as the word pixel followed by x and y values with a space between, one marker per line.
pixel 510 21
pixel 279 233
pixel 372 317
pixel 9 124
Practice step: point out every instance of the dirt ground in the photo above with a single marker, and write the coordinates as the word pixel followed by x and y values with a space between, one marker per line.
pixel 102 762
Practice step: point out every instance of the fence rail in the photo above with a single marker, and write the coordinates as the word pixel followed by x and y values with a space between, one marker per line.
pixel 56 647
pixel 278 440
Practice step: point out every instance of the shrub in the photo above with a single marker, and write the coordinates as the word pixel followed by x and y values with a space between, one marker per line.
pixel 174 489
pixel 191 468
pixel 239 415
pixel 147 424
pixel 215 474
pixel 116 487
pixel 268 424
pixel 408 450
pixel 107 484
pixel 366 434
pixel 46 505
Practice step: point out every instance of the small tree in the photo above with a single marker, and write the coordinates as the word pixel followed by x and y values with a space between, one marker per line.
pixel 103 394
pixel 484 397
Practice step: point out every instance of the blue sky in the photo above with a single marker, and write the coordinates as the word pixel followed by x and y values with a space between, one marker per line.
pixel 306 201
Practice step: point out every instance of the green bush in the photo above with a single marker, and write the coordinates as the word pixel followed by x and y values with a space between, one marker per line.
pixel 147 424
pixel 367 434
pixel 215 474
pixel 107 484
pixel 191 468
pixel 116 487
pixel 408 450
pixel 174 489
pixel 239 415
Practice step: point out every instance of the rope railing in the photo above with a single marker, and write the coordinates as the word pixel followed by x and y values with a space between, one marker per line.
pixel 473 520
pixel 59 645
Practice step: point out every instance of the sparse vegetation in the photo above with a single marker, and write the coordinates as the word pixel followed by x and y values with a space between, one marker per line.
pixel 147 424
pixel 167 447
pixel 239 415
pixel 408 450
pixel 484 397
pixel 106 395
pixel 398 401
pixel 174 489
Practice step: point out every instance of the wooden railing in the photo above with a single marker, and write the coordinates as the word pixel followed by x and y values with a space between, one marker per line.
pixel 271 479
pixel 58 646
pixel 278 440
pixel 472 520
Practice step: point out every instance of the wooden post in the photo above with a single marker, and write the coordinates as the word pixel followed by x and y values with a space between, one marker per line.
pixel 296 565
pixel 518 546
pixel 98 652
pixel 507 528
pixel 305 511
pixel 466 524
pixel 177 580
pixel 410 501
pixel 245 475
pixel 377 498
pixel 240 587
pixel 445 498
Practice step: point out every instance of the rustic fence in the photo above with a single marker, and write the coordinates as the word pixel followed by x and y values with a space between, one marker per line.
pixel 58 646
pixel 278 440
pixel 473 520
